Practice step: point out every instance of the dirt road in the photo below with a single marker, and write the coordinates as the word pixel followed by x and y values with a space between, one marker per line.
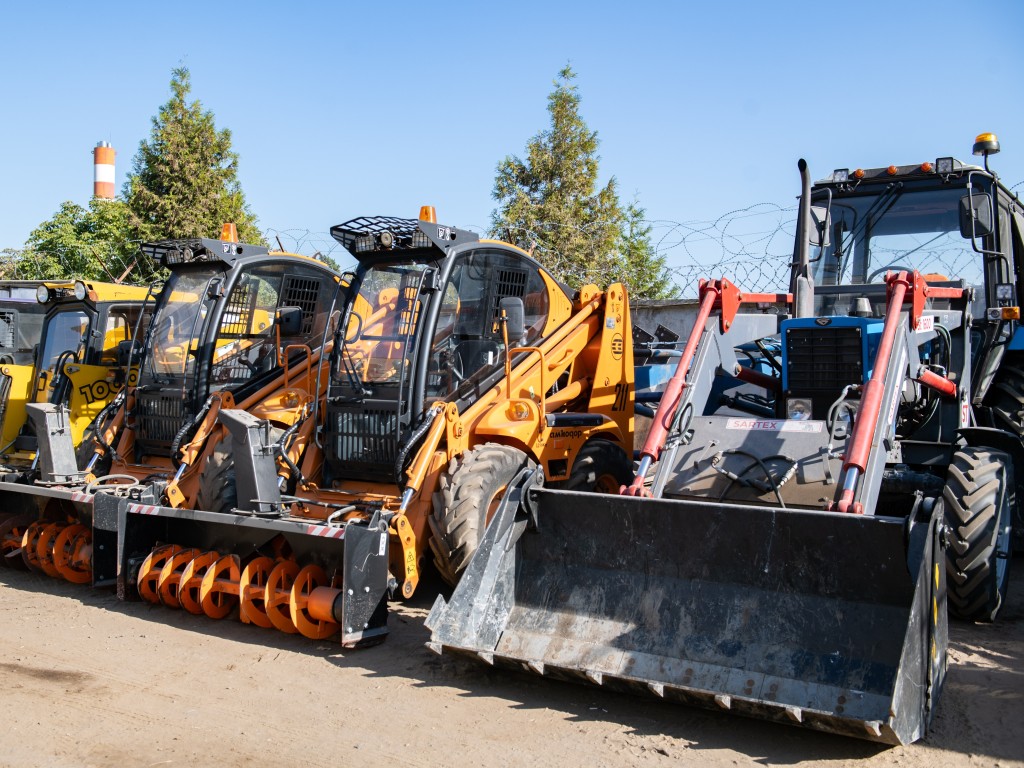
pixel 90 681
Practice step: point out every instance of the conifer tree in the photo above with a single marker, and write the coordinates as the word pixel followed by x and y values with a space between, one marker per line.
pixel 549 203
pixel 184 179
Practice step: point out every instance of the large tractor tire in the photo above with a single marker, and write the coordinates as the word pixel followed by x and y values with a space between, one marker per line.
pixel 1005 400
pixel 601 466
pixel 218 490
pixel 470 491
pixel 979 498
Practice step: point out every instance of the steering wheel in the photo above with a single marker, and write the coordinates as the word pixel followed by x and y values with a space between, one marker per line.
pixel 896 267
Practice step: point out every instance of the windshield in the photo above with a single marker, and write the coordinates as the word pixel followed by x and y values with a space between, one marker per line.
pixel 66 331
pixel 178 322
pixel 381 326
pixel 897 230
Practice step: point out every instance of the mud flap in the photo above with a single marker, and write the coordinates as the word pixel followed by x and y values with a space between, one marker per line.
pixel 834 622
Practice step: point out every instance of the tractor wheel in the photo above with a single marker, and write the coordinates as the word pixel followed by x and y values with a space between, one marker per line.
pixel 469 493
pixel 218 491
pixel 1006 399
pixel 979 497
pixel 601 466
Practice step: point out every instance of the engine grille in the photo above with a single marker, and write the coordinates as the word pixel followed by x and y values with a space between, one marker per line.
pixel 824 359
pixel 363 443
pixel 159 417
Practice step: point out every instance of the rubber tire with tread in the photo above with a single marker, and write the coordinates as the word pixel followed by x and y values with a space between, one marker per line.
pixel 1005 399
pixel 468 488
pixel 979 497
pixel 218 489
pixel 599 463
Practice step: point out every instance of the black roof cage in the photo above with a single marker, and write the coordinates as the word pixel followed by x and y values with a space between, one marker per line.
pixel 199 249
pixel 387 237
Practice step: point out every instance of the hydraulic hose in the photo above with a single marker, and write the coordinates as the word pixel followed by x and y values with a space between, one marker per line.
pixel 281 447
pixel 414 439
pixel 180 436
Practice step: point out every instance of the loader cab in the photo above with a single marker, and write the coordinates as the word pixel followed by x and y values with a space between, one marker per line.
pixel 214 328
pixel 947 220
pixel 423 325
pixel 90 325
pixel 21 318
pixel 77 361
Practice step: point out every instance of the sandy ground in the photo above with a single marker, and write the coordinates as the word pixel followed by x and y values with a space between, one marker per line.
pixel 90 681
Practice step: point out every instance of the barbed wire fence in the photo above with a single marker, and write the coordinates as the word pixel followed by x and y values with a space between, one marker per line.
pixel 752 246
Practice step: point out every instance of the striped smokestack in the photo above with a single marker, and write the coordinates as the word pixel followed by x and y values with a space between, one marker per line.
pixel 103 171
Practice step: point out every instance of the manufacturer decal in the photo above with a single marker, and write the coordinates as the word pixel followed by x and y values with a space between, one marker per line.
pixel 926 323
pixel 774 425
pixel 98 390
pixel 617 346
pixel 823 321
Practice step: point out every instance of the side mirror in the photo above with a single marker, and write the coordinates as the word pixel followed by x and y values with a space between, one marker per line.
pixel 289 320
pixel 515 316
pixel 820 226
pixel 976 216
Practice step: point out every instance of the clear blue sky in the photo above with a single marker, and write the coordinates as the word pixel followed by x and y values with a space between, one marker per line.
pixel 345 109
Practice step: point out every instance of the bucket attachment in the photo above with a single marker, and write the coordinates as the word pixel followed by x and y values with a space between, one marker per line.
pixel 831 621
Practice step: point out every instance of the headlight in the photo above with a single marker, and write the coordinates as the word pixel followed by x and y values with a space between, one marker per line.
pixel 42 294
pixel 80 290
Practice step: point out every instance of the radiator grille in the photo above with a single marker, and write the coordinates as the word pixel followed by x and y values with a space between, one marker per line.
pixel 160 416
pixel 363 442
pixel 824 359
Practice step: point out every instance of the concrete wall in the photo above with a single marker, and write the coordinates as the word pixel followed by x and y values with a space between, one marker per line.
pixel 675 314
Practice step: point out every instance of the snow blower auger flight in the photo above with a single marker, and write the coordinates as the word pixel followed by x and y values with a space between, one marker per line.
pixel 456 363
pixel 788 567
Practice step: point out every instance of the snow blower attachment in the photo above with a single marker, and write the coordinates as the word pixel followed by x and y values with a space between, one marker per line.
pixel 788 568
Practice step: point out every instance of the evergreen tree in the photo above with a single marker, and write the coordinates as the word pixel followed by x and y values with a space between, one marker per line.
pixel 644 272
pixel 184 180
pixel 549 204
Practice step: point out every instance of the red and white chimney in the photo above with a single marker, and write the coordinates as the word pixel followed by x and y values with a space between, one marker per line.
pixel 103 171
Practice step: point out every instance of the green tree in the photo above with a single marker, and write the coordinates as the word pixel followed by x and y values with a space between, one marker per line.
pixel 638 265
pixel 94 243
pixel 184 179
pixel 549 203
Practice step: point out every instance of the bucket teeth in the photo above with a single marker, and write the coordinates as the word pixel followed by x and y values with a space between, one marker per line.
pixel 724 701
pixel 795 714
